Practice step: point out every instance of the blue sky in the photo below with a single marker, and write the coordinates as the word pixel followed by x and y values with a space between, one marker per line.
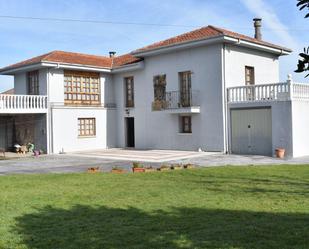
pixel 21 39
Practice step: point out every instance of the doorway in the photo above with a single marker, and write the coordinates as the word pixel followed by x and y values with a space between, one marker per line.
pixel 251 131
pixel 130 134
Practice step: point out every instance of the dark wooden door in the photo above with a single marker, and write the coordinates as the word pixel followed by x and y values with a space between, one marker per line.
pixel 130 136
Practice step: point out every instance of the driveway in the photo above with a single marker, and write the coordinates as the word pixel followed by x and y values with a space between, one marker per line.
pixel 107 159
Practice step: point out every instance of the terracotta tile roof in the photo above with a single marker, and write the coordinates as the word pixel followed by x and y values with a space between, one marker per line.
pixel 117 61
pixel 11 91
pixel 79 59
pixel 66 57
pixel 202 34
pixel 125 60
pixel 248 38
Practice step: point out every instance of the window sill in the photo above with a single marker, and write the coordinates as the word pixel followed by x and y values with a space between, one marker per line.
pixel 184 134
pixel 81 137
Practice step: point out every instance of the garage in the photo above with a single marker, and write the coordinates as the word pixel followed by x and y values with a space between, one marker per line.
pixel 251 131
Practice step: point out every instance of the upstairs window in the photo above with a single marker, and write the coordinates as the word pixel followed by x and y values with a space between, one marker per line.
pixel 129 91
pixel 249 76
pixel 185 88
pixel 159 85
pixel 81 88
pixel 33 83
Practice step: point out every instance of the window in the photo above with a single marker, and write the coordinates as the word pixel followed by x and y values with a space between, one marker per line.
pixel 185 124
pixel 129 91
pixel 81 88
pixel 86 127
pixel 159 84
pixel 33 83
pixel 185 88
pixel 249 75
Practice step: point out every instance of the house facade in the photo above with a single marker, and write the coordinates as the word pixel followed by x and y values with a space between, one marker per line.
pixel 208 89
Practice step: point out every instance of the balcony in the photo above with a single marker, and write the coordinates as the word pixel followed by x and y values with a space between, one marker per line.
pixel 178 102
pixel 268 92
pixel 19 104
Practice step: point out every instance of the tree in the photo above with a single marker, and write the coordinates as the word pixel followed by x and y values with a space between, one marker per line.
pixel 303 63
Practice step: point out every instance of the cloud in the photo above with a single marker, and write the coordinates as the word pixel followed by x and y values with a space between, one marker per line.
pixel 261 9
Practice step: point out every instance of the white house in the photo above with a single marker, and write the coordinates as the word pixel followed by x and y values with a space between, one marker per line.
pixel 210 88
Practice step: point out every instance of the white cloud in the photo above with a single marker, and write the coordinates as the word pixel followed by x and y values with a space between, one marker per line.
pixel 261 9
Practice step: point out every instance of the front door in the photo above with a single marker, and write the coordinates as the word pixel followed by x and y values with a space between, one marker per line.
pixel 130 134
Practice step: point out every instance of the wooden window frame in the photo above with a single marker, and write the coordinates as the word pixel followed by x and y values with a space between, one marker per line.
pixel 33 84
pixel 82 88
pixel 186 124
pixel 129 91
pixel 83 130
pixel 185 87
pixel 159 81
pixel 251 81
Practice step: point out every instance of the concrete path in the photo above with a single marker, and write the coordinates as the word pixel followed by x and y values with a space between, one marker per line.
pixel 80 163
pixel 151 156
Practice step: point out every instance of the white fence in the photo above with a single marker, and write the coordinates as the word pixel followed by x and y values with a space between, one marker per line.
pixel 268 92
pixel 23 103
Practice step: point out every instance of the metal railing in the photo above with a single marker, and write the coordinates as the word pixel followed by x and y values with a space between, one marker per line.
pixel 23 102
pixel 177 100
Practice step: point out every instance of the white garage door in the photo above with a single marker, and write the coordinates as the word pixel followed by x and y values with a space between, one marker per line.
pixel 251 131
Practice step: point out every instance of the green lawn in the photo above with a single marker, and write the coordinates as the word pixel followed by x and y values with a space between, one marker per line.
pixel 227 207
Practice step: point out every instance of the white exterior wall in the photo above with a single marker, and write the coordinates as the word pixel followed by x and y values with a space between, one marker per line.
pixel 64 119
pixel 300 117
pixel 160 129
pixel 56 87
pixel 266 66
pixel 281 115
pixel 20 84
pixel 65 129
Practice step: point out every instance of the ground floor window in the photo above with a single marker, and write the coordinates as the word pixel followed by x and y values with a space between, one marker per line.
pixel 86 127
pixel 185 124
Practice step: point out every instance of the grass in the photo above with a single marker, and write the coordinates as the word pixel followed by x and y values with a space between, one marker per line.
pixel 228 207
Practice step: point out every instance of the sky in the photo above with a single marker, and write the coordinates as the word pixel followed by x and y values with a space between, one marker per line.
pixel 283 24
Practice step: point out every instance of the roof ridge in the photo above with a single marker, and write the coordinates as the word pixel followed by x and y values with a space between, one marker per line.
pixel 217 29
pixel 175 37
pixel 76 53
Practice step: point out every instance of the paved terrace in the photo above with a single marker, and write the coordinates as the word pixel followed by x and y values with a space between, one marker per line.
pixel 106 159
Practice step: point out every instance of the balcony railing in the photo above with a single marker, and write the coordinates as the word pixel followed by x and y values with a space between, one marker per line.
pixel 267 92
pixel 22 103
pixel 177 100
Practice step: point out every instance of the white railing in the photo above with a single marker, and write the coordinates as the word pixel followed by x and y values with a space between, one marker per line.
pixel 300 91
pixel 266 92
pixel 23 102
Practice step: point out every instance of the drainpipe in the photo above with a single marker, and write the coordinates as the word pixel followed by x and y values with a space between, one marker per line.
pixel 49 118
pixel 225 105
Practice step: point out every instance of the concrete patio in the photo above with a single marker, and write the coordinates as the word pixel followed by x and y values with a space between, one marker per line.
pixel 70 163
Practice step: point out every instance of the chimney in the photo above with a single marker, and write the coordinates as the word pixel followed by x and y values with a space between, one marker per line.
pixel 112 54
pixel 257 26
